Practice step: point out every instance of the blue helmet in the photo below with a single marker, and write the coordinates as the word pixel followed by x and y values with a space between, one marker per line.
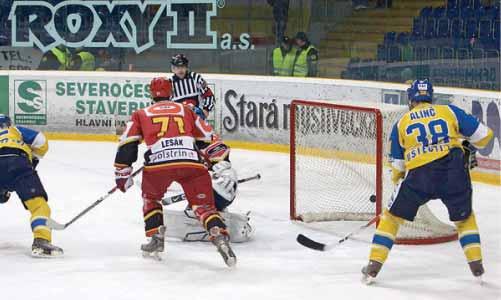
pixel 5 121
pixel 420 91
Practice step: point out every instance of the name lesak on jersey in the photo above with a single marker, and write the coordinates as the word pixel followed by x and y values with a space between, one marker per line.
pixel 166 143
pixel 423 113
pixel 413 153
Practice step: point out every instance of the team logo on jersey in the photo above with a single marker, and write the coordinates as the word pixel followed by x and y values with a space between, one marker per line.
pixel 30 102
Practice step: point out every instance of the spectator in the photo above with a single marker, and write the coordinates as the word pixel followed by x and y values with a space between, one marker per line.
pixel 280 16
pixel 83 60
pixel 360 4
pixel 58 58
pixel 283 58
pixel 306 61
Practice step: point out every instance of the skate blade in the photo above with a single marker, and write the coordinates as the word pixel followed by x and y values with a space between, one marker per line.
pixel 39 253
pixel 368 280
pixel 228 256
pixel 152 255
pixel 480 280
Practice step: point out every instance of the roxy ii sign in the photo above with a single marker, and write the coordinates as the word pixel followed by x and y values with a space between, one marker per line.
pixel 40 24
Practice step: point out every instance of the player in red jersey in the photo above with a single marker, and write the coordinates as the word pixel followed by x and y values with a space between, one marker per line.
pixel 169 129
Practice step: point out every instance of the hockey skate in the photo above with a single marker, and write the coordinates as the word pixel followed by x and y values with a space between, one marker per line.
pixel 44 249
pixel 477 269
pixel 155 245
pixel 370 271
pixel 220 238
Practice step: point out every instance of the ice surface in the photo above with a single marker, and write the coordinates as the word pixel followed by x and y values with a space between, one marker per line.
pixel 103 261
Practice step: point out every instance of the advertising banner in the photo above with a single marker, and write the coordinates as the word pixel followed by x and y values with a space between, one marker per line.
pixel 252 109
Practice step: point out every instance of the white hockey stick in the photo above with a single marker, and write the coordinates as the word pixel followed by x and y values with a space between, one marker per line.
pixel 51 223
pixel 182 197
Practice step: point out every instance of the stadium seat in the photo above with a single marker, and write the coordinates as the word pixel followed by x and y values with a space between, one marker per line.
pixel 464 3
pixel 476 4
pixel 471 28
pixel 426 12
pixel 429 29
pixel 420 53
pixel 433 53
pixel 477 53
pixel 462 53
pixel 402 38
pixel 447 53
pixel 452 12
pixel 417 27
pixel 394 54
pixel 495 31
pixel 381 53
pixel 443 28
pixel 467 13
pixel 438 12
pixel 491 53
pixel 389 38
pixel 485 31
pixel 457 28
pixel 452 4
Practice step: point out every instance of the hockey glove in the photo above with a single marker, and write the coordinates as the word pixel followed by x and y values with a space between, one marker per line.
pixel 199 112
pixel 4 196
pixel 123 178
pixel 470 155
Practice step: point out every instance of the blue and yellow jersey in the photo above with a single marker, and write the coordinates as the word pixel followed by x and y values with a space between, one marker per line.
pixel 428 132
pixel 30 141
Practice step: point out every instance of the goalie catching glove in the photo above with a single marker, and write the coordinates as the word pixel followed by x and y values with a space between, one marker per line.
pixel 123 178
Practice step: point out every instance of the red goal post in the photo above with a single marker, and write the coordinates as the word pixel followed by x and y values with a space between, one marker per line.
pixel 336 167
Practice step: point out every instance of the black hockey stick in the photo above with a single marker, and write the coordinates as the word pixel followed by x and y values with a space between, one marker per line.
pixel 58 226
pixel 309 243
pixel 182 197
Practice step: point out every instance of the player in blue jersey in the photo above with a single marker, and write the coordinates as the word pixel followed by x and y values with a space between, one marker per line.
pixel 20 150
pixel 430 155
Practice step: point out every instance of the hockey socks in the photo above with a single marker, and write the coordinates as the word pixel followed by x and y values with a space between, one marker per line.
pixel 469 238
pixel 153 216
pixel 384 237
pixel 40 212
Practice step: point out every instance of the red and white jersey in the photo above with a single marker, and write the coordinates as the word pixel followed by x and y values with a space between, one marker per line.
pixel 168 129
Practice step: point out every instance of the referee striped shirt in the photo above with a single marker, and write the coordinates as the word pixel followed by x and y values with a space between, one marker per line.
pixel 193 89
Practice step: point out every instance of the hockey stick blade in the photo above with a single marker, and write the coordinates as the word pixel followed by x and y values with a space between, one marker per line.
pixel 55 225
pixel 309 243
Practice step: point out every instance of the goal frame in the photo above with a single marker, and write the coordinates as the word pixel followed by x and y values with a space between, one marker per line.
pixel 379 165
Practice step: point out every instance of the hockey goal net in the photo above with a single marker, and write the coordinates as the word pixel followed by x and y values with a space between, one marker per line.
pixel 339 171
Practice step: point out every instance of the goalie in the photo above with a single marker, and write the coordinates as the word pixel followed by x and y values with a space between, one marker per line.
pixel 184 225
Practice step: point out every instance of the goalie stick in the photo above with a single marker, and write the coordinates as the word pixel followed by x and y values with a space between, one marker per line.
pixel 51 223
pixel 309 243
pixel 181 197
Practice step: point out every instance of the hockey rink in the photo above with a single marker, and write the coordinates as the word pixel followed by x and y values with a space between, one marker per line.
pixel 102 258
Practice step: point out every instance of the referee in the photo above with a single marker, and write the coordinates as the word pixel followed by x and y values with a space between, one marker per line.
pixel 190 88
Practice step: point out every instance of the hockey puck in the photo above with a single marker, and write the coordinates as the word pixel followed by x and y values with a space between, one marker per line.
pixel 372 198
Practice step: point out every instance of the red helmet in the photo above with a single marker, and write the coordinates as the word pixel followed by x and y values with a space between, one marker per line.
pixel 161 87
